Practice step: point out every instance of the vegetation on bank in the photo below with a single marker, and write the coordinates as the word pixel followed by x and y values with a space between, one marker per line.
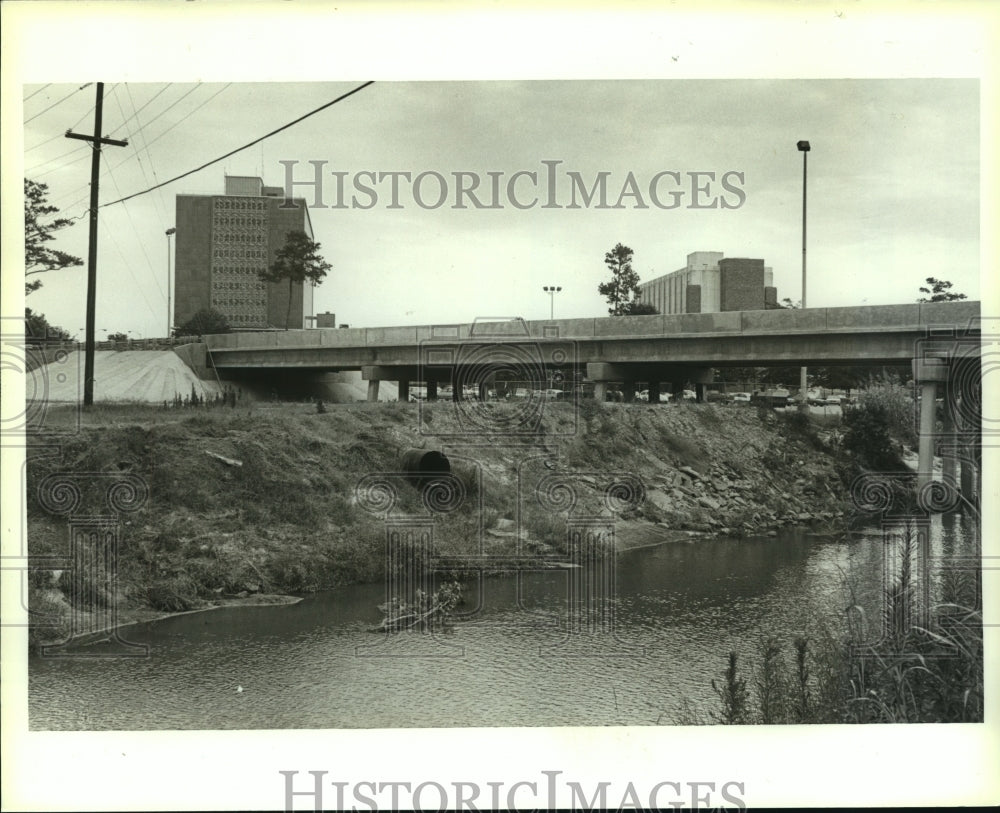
pixel 263 498
pixel 912 664
pixel 910 673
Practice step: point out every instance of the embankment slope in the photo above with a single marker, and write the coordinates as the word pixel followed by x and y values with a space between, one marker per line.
pixel 262 499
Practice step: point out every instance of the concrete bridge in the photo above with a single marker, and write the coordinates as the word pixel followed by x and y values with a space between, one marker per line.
pixel 941 340
pixel 626 349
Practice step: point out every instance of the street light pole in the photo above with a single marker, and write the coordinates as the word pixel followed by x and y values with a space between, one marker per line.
pixel 170 316
pixel 804 149
pixel 552 290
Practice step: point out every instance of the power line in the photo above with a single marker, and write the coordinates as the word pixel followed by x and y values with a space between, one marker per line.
pixel 245 146
pixel 32 96
pixel 135 142
pixel 105 171
pixel 61 135
pixel 169 106
pixel 171 127
pixel 137 112
pixel 57 158
pixel 56 104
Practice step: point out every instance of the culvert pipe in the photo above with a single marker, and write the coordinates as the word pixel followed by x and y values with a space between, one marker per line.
pixel 421 466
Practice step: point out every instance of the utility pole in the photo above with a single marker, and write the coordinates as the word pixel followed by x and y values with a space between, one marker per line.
pixel 95 173
pixel 803 147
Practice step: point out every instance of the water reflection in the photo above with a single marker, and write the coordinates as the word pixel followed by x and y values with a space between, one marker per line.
pixel 685 605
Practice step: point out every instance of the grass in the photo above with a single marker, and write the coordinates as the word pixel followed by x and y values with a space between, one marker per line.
pixel 272 506
pixel 930 673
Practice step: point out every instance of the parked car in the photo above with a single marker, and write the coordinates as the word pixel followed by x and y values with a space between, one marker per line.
pixel 741 397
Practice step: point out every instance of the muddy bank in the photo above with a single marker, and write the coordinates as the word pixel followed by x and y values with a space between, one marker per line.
pixel 233 504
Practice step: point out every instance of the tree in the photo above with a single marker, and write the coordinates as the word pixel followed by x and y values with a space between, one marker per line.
pixel 38 231
pixel 940 291
pixel 637 308
pixel 789 305
pixel 37 328
pixel 298 261
pixel 623 287
pixel 204 321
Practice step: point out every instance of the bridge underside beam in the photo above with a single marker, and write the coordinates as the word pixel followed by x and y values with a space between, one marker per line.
pixel 648 371
pixel 703 351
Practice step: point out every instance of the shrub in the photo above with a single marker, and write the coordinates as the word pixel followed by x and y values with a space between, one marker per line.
pixel 866 436
pixel 895 402
pixel 732 692
pixel 172 594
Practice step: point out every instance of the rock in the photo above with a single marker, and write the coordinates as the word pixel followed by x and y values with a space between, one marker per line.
pixel 708 502
pixel 504 524
pixel 690 472
pixel 803 517
pixel 660 499
pixel 227 460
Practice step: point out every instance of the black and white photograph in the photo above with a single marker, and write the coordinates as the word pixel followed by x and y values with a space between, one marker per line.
pixel 622 426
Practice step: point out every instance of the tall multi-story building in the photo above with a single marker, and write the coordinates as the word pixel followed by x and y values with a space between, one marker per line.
pixel 710 283
pixel 224 241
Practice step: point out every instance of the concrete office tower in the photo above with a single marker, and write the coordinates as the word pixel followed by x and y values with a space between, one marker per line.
pixel 710 283
pixel 224 241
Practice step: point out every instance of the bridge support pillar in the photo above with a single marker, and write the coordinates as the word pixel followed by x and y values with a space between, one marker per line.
pixel 949 452
pixel 484 391
pixel 654 392
pixel 373 390
pixel 600 391
pixel 404 389
pixel 928 404
pixel 928 372
pixel 628 391
pixel 432 390
pixel 699 390
pixel 968 483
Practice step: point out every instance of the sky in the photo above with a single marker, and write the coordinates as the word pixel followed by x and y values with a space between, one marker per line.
pixel 892 187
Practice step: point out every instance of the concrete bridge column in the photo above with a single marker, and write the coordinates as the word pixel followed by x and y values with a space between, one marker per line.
pixel 628 391
pixel 404 389
pixel 654 392
pixel 928 406
pixel 373 390
pixel 928 371
pixel 484 391
pixel 948 450
pixel 968 483
pixel 600 391
pixel 432 390
pixel 699 391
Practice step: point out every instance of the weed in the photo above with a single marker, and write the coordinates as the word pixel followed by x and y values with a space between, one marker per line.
pixel 732 693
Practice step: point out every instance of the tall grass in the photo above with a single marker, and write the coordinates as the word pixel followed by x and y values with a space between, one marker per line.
pixel 913 673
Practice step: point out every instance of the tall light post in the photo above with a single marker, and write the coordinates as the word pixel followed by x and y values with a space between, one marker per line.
pixel 552 290
pixel 170 317
pixel 804 149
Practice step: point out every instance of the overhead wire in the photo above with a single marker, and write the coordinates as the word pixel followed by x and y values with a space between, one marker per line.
pixel 179 121
pixel 149 155
pixel 137 112
pixel 245 146
pixel 105 170
pixel 33 95
pixel 56 104
pixel 81 148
